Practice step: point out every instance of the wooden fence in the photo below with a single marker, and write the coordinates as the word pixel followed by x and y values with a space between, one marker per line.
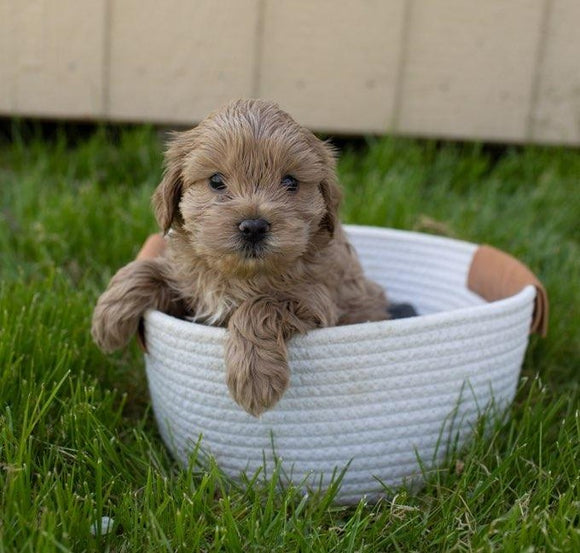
pixel 506 70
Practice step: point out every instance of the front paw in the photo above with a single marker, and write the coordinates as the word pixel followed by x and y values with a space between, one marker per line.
pixel 256 377
pixel 114 322
pixel 138 286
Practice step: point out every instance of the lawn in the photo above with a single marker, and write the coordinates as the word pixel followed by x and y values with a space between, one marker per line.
pixel 77 436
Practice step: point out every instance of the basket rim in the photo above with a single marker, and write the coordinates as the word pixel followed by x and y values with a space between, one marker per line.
pixel 387 327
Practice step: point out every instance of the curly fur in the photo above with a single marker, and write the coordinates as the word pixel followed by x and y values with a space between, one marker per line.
pixel 305 275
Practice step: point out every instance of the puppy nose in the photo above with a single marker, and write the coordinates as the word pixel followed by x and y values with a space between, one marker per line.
pixel 254 230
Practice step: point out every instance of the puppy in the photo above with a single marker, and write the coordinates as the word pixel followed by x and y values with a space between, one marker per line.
pixel 249 204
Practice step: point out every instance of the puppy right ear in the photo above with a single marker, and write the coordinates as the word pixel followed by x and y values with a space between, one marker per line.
pixel 167 196
pixel 166 199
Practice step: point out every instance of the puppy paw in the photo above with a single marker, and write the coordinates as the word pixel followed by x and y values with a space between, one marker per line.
pixel 113 324
pixel 138 286
pixel 256 377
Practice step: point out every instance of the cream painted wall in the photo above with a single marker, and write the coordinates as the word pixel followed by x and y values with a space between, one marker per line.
pixel 506 70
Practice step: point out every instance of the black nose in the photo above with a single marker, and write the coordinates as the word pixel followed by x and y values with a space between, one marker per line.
pixel 254 230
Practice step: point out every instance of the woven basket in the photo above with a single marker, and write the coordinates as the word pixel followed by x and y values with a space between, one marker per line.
pixel 381 398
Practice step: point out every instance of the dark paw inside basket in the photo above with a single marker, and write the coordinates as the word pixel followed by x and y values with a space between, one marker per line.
pixel 401 311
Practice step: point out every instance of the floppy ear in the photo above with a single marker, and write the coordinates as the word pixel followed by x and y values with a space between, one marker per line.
pixel 329 187
pixel 166 199
pixel 167 196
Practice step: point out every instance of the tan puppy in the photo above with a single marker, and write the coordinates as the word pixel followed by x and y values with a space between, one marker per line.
pixel 249 202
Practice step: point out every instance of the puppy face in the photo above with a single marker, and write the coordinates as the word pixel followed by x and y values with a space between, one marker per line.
pixel 252 190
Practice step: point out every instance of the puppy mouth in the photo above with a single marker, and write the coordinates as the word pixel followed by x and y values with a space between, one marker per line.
pixel 253 251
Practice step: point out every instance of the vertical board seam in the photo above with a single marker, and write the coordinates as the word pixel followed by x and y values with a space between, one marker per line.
pixel 106 76
pixel 258 49
pixel 401 65
pixel 544 30
pixel 14 67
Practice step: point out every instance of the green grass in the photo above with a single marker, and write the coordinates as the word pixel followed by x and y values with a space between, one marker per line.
pixel 77 437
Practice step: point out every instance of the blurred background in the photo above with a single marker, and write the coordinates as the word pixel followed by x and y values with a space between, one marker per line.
pixel 492 70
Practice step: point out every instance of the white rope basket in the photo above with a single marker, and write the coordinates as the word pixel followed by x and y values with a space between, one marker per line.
pixel 381 398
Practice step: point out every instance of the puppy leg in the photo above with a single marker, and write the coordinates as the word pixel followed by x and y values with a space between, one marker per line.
pixel 257 370
pixel 138 286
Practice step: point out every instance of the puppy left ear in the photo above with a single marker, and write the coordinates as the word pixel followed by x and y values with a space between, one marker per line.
pixel 329 187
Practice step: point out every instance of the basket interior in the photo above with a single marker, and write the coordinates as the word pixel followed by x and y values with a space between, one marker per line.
pixel 427 271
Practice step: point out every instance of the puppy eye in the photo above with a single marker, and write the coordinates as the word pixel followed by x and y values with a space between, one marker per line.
pixel 290 183
pixel 216 182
